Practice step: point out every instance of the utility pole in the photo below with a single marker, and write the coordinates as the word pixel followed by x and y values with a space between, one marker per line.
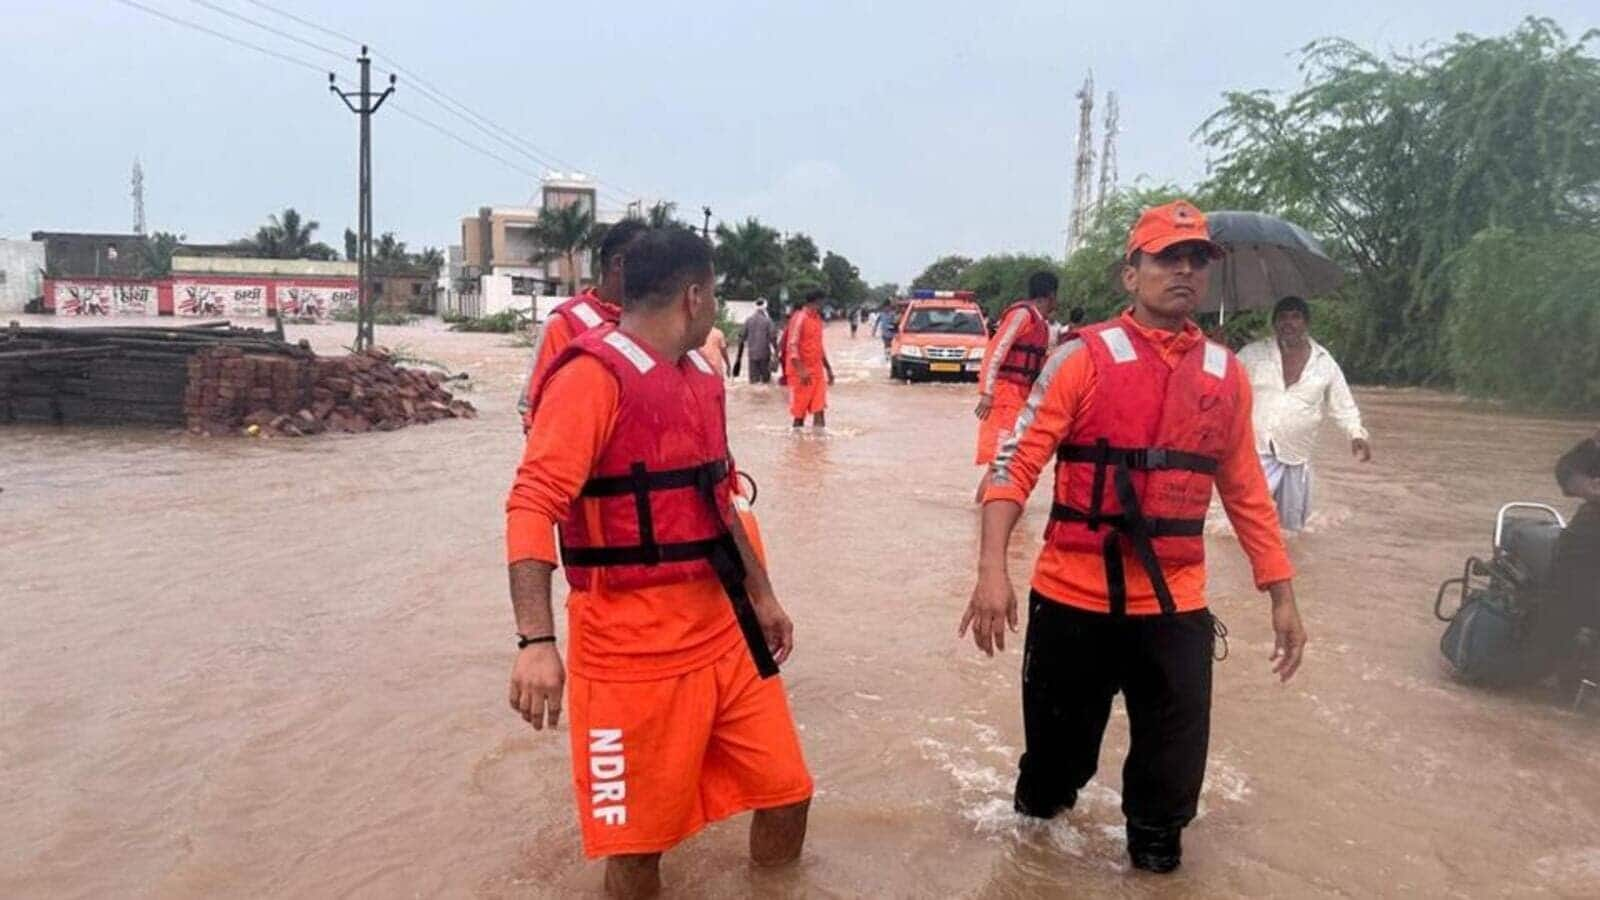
pixel 705 231
pixel 138 197
pixel 1083 169
pixel 367 104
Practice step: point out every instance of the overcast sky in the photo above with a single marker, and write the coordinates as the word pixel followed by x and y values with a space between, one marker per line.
pixel 891 132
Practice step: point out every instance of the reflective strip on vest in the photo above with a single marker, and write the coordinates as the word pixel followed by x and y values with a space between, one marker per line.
pixel 1216 360
pixel 587 314
pixel 635 354
pixel 1121 347
pixel 700 362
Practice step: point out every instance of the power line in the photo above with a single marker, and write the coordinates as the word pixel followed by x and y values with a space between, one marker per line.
pixel 225 36
pixel 434 95
pixel 265 27
pixel 309 24
pixel 464 142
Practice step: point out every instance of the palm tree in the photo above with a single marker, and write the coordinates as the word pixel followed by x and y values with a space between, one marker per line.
pixel 750 259
pixel 564 232
pixel 431 258
pixel 288 237
pixel 387 249
pixel 661 214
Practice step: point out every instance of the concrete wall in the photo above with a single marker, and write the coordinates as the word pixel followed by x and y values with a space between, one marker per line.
pixel 21 278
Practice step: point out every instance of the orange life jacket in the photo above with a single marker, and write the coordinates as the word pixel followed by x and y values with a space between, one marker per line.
pixel 582 313
pixel 1135 473
pixel 653 511
pixel 1025 358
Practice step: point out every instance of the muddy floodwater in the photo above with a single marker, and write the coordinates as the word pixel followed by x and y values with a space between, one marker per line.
pixel 253 668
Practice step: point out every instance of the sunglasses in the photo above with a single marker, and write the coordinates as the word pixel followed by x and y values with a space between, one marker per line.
pixel 1199 257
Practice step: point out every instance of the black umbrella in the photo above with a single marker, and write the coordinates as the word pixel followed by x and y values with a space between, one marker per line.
pixel 1268 259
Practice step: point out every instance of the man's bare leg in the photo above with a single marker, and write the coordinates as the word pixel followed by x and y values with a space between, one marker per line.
pixel 778 834
pixel 633 875
pixel 820 420
pixel 983 485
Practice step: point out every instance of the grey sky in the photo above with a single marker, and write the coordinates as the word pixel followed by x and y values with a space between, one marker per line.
pixel 891 132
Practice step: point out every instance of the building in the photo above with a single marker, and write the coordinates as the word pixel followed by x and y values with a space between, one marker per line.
pixel 21 275
pixel 212 287
pixel 71 253
pixel 498 249
pixel 404 288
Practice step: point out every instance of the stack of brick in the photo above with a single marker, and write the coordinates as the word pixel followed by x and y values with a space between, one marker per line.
pixel 229 390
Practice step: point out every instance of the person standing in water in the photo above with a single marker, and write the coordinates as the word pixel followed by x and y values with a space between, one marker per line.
pixel 676 715
pixel 759 336
pixel 1296 380
pixel 805 364
pixel 594 307
pixel 1142 417
pixel 1011 363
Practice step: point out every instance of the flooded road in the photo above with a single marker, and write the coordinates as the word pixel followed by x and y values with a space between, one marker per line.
pixel 277 668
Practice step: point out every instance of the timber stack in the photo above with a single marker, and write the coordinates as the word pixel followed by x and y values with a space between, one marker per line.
pixel 212 379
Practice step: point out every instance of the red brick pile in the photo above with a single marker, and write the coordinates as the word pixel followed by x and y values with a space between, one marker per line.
pixel 229 390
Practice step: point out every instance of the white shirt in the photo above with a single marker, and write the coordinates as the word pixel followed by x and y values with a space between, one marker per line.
pixel 1287 416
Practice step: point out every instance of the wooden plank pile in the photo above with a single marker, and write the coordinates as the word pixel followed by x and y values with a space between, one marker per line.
pixel 211 379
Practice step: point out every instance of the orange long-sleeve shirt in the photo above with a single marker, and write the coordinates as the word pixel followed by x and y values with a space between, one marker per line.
pixel 1079 578
pixel 615 635
pixel 554 336
pixel 804 345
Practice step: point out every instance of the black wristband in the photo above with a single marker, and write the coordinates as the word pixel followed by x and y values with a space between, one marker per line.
pixel 525 641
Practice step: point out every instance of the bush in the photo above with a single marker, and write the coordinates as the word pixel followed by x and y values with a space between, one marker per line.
pixel 1524 324
pixel 380 316
pixel 504 322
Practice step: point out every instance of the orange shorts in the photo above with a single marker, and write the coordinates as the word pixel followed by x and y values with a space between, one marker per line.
pixel 1001 420
pixel 654 761
pixel 808 398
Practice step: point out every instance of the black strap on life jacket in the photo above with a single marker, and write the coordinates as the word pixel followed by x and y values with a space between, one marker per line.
pixel 1033 356
pixel 720 552
pixel 1130 526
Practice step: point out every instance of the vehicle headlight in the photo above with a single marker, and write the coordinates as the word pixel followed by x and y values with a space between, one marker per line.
pixel 911 351
pixel 975 353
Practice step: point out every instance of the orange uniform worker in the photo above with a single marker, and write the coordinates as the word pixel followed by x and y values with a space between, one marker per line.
pixel 1142 417
pixel 1011 364
pixel 715 350
pixel 594 307
pixel 805 364
pixel 673 625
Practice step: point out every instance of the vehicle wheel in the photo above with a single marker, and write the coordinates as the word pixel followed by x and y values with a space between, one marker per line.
pixel 895 373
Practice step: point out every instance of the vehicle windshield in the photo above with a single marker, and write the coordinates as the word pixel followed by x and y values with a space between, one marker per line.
pixel 944 321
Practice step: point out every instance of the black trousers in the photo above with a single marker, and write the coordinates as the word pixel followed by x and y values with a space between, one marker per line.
pixel 761 370
pixel 1074 663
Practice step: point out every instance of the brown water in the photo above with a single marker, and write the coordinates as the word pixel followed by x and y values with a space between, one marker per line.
pixel 277 668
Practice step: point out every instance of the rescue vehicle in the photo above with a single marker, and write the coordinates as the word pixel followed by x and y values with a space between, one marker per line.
pixel 942 335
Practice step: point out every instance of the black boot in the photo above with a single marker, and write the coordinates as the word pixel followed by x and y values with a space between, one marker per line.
pixel 1158 850
pixel 1030 800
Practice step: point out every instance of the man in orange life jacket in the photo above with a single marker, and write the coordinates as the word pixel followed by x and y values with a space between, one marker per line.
pixel 1142 417
pixel 1011 364
pixel 805 363
pixel 594 307
pixel 676 719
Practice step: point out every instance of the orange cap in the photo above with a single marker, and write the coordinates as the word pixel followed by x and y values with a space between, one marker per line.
pixel 1177 222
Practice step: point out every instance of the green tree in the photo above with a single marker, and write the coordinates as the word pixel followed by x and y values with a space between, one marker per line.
pixel 842 280
pixel 431 258
pixel 288 236
pixel 157 251
pixel 1402 160
pixel 878 294
pixel 942 274
pixel 563 233
pixel 749 260
pixel 1002 279
pixel 662 214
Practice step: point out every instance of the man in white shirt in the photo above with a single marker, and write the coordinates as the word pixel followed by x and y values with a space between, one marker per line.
pixel 1296 381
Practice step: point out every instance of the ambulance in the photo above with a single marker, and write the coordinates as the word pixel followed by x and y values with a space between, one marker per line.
pixel 942 336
